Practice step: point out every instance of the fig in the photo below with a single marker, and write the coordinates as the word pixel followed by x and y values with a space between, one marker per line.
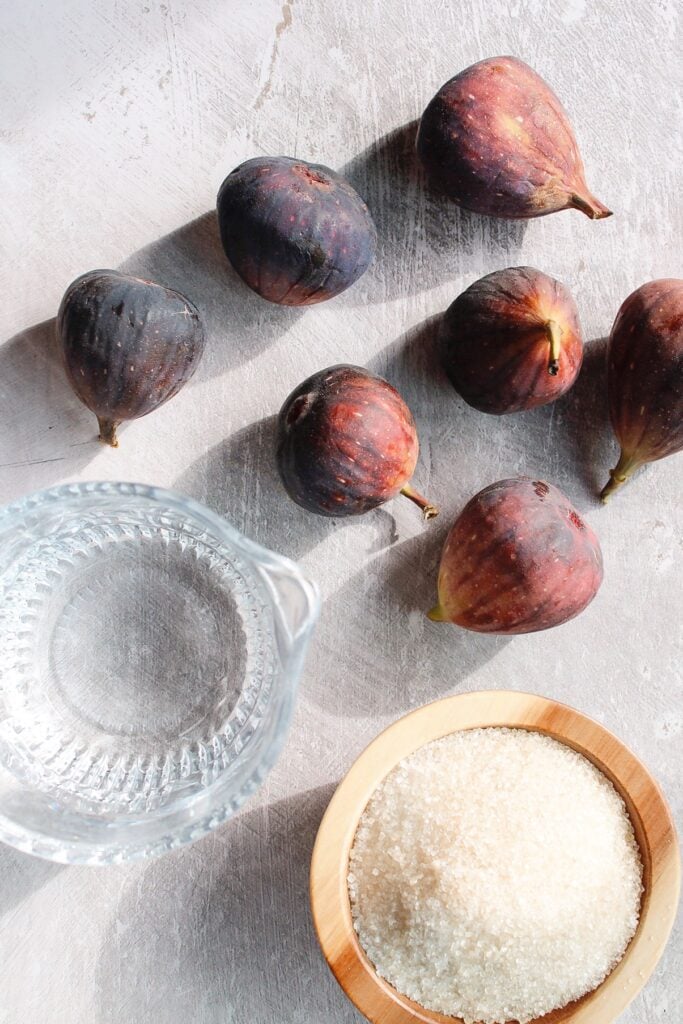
pixel 295 232
pixel 511 341
pixel 346 443
pixel 518 559
pixel 645 378
pixel 127 345
pixel 496 140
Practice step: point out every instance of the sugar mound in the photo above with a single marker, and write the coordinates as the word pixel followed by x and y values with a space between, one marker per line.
pixel 495 876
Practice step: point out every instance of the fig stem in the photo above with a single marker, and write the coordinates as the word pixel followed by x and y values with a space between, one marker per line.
pixel 437 614
pixel 589 205
pixel 625 468
pixel 554 334
pixel 108 431
pixel 428 511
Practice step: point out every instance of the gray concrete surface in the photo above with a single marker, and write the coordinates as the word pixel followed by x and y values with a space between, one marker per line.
pixel 119 122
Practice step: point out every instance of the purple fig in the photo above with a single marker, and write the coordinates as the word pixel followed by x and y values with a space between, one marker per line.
pixel 512 341
pixel 645 378
pixel 496 140
pixel 347 443
pixel 296 233
pixel 127 345
pixel 518 559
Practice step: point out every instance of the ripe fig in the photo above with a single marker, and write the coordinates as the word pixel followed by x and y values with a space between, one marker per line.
pixel 645 378
pixel 518 559
pixel 496 140
pixel 127 345
pixel 296 233
pixel 512 341
pixel 347 443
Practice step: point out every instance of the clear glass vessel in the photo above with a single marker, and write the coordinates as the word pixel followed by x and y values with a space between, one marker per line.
pixel 149 661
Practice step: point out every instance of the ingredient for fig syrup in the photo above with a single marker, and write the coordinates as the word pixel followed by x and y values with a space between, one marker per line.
pixel 645 378
pixel 346 443
pixel 518 559
pixel 496 140
pixel 512 341
pixel 127 345
pixel 495 876
pixel 296 233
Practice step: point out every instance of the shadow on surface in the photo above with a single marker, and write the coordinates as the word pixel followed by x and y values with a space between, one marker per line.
pixel 239 324
pixel 568 442
pixel 389 657
pixel 222 932
pixel 412 361
pixel 592 448
pixel 422 236
pixel 22 875
pixel 45 428
pixel 383 606
pixel 238 478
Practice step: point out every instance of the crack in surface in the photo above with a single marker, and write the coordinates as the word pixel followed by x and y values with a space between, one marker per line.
pixel 280 30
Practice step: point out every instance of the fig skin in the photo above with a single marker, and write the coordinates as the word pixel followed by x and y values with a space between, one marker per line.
pixel 497 140
pixel 347 443
pixel 511 341
pixel 645 378
pixel 518 559
pixel 296 233
pixel 127 345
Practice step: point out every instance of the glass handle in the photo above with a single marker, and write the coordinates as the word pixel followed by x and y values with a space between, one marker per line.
pixel 296 598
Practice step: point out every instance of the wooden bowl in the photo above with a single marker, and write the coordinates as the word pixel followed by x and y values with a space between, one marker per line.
pixel 652 822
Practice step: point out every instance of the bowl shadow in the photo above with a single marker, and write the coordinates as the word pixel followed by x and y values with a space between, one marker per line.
pixel 238 323
pixel 46 430
pixel 21 875
pixel 224 926
pixel 422 235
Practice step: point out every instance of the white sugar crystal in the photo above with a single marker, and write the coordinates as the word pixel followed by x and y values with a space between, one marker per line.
pixel 495 876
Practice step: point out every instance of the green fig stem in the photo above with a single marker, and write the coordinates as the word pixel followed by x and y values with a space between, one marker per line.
pixel 589 205
pixel 437 614
pixel 428 511
pixel 554 334
pixel 625 468
pixel 108 431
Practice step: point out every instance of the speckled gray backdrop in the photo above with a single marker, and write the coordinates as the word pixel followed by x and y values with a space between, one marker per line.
pixel 119 121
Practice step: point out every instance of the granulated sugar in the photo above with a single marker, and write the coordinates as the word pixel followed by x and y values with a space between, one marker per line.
pixel 495 876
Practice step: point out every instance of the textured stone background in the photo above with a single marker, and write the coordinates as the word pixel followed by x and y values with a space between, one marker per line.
pixel 119 121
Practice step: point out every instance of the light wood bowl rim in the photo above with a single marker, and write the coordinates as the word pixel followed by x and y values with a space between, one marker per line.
pixel 378 1001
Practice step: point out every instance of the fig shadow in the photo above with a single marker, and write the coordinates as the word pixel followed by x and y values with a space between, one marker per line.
pixel 47 433
pixel 568 442
pixel 586 424
pixel 374 668
pixel 238 323
pixel 462 450
pixel 238 479
pixel 202 923
pixel 423 237
pixel 412 363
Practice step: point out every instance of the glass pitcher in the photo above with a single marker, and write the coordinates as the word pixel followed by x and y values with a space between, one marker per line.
pixel 149 661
